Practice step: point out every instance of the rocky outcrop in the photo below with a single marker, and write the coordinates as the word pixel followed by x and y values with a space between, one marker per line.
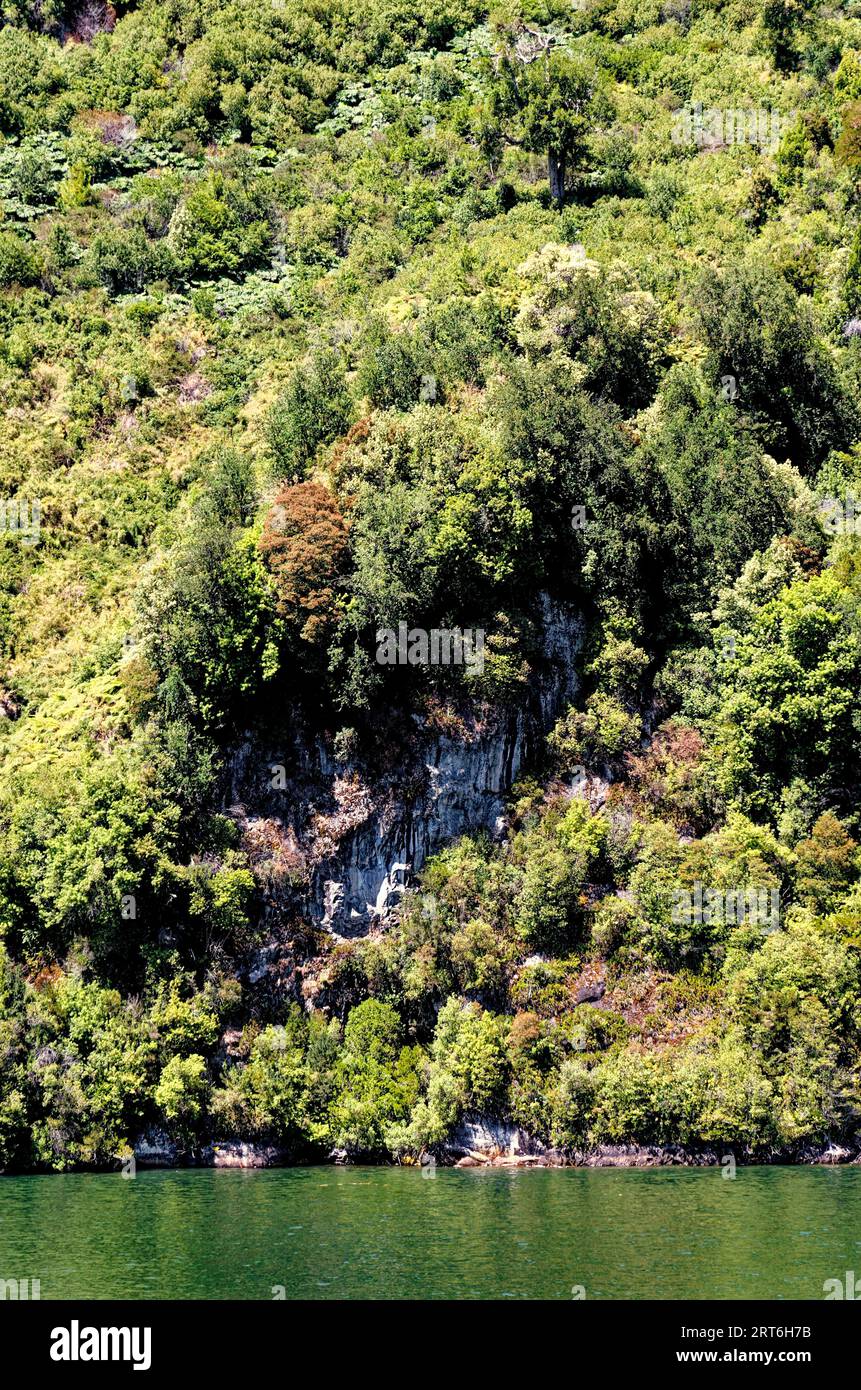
pixel 338 846
pixel 484 1135
pixel 237 1155
pixel 458 783
pixel 155 1149
pixel 482 1142
pixel 649 1156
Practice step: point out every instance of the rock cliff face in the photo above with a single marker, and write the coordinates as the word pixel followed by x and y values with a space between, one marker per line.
pixel 338 848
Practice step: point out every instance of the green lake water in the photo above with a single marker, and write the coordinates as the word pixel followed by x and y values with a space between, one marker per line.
pixel 770 1233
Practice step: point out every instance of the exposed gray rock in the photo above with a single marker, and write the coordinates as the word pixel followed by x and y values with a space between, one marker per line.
pixel 648 1156
pixel 832 1153
pixel 224 1154
pixel 481 1141
pixel 339 850
pixel 155 1149
pixel 464 783
pixel 591 993
pixel 481 1134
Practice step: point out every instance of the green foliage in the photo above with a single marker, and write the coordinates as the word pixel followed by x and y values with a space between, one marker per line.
pixel 551 98
pixel 786 705
pixel 297 344
pixel 19 263
pixel 784 22
pixel 598 736
pixel 273 1095
pixel 125 261
pixel 203 618
pixel 220 227
pixel 760 333
pixel 378 1079
pixel 75 191
pixel 852 286
pixel 314 409
pixel 603 321
pixel 468 1072
pixel 181 1090
pixel 827 865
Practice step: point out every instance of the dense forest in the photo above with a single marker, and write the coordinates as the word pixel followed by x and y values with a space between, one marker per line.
pixel 321 318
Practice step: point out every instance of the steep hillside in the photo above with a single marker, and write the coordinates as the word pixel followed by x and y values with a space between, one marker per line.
pixel 430 588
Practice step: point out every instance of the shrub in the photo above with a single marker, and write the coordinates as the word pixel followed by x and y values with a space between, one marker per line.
pixel 314 409
pixel 124 261
pixel 19 262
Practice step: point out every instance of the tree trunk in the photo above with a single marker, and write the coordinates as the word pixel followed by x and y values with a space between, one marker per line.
pixel 556 169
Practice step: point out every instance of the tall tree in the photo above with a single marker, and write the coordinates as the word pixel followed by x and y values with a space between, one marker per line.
pixel 548 100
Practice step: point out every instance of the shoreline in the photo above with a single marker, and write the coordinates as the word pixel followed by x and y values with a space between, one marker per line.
pixel 238 1155
pixel 249 1156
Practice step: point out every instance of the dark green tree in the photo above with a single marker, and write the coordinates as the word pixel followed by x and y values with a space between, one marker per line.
pixel 549 101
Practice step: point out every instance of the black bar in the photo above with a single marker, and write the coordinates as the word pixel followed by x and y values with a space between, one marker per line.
pixel 277 1339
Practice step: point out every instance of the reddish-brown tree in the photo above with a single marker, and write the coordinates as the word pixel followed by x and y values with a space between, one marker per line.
pixel 305 548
